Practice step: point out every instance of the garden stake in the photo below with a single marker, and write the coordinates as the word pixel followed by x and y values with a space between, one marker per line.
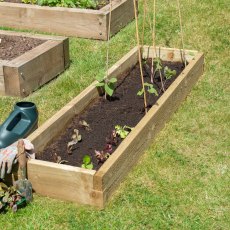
pixel 139 55
pixel 108 41
pixel 181 31
pixel 143 24
pixel 154 46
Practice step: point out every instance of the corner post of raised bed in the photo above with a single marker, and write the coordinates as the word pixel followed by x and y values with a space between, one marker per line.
pixel 122 14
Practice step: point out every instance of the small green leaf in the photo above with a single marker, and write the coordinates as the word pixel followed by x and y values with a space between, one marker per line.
pixel 86 159
pixel 100 79
pixel 108 90
pixel 140 92
pixel 113 80
pixel 89 166
pixel 100 84
pixel 148 84
pixel 153 91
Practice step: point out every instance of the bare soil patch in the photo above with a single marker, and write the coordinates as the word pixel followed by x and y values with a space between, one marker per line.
pixel 14 46
pixel 123 108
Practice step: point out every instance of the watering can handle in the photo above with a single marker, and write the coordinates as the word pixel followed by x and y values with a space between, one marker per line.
pixel 21 155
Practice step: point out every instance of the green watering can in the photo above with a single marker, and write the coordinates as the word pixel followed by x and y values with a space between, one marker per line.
pixel 22 121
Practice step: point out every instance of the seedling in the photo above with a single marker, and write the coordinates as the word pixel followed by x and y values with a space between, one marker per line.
pixel 169 73
pixel 85 125
pixel 108 148
pixel 87 164
pixel 112 139
pixel 158 68
pixel 57 159
pixel 102 156
pixel 123 131
pixel 150 89
pixel 108 85
pixel 76 137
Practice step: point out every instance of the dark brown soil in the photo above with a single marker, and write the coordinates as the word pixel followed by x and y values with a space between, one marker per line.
pixel 14 46
pixel 100 3
pixel 124 108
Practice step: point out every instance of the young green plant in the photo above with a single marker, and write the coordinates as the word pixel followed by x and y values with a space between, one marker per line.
pixel 87 164
pixel 108 85
pixel 123 131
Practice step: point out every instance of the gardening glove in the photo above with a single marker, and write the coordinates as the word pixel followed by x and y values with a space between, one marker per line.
pixel 8 156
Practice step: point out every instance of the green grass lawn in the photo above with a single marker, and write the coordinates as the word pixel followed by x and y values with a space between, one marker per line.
pixel 182 180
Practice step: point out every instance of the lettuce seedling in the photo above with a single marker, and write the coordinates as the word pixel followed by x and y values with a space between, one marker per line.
pixel 87 164
pixel 123 131
pixel 107 84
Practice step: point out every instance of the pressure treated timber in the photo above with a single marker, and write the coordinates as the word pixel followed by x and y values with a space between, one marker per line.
pixel 67 21
pixel 48 177
pixel 29 71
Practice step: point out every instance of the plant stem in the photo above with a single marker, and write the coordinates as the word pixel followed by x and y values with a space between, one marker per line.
pixel 139 55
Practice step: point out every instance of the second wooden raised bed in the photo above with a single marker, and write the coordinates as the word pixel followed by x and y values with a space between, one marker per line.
pixel 95 187
pixel 29 71
pixel 67 21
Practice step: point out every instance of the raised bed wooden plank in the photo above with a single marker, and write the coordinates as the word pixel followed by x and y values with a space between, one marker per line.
pixel 2 82
pixel 67 21
pixel 70 183
pixel 108 177
pixel 31 70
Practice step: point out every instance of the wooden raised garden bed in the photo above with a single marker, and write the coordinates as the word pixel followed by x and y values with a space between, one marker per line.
pixel 95 187
pixel 29 71
pixel 84 23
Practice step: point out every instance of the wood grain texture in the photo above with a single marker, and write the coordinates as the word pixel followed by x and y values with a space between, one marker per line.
pixel 67 21
pixel 122 14
pixel 2 82
pixel 31 35
pixel 63 182
pixel 168 54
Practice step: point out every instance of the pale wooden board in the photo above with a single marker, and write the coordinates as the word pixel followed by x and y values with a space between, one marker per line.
pixel 29 71
pixel 122 14
pixel 67 21
pixel 30 35
pixel 63 181
pixel 2 82
pixel 33 68
pixel 119 164
pixel 168 54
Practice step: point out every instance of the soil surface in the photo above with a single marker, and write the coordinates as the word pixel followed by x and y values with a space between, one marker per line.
pixel 100 3
pixel 124 108
pixel 14 46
